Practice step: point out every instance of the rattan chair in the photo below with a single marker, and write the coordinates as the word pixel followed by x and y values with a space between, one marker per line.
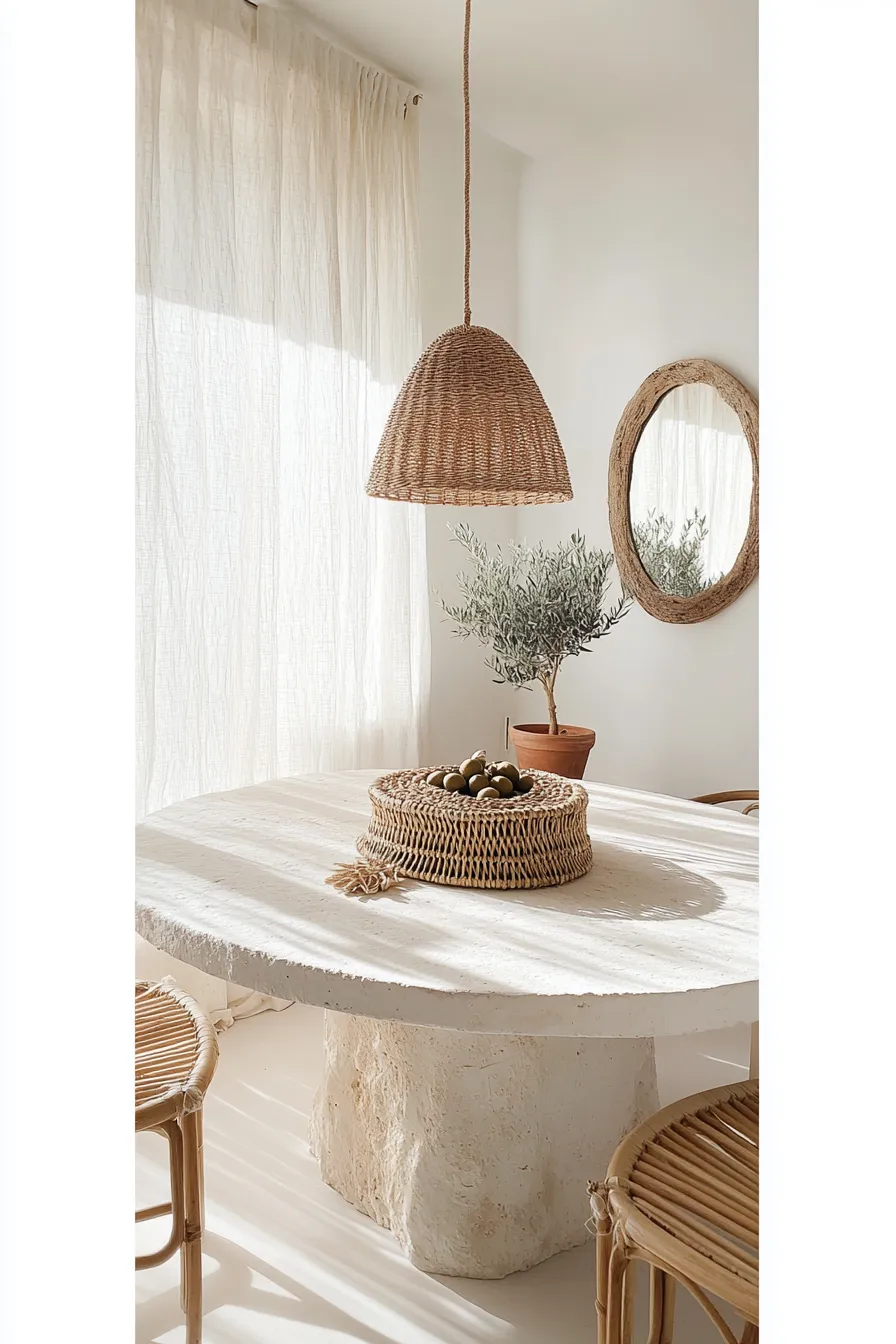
pixel 176 1054
pixel 748 796
pixel 682 1194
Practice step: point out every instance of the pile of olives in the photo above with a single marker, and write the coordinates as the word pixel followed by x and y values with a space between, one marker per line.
pixel 478 779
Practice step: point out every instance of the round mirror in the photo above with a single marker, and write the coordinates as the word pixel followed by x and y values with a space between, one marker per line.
pixel 684 476
pixel 689 499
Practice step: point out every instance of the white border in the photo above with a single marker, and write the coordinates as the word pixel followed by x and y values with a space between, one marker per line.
pixel 66 532
pixel 828 678
pixel 66 695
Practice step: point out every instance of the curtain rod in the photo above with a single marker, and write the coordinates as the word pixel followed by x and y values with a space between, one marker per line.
pixel 416 95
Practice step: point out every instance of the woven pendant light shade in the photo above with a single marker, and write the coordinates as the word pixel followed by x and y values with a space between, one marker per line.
pixel 470 425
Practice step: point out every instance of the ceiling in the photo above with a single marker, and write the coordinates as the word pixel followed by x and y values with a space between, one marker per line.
pixel 545 70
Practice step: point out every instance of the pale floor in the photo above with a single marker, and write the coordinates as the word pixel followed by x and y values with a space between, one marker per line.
pixel 287 1260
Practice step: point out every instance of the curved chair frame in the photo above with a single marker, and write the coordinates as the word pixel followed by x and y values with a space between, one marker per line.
pixel 748 796
pixel 626 1235
pixel 176 1056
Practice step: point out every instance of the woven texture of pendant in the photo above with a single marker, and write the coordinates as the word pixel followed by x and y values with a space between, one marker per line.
pixel 470 425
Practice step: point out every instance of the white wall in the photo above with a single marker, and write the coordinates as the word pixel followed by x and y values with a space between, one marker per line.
pixel 467 708
pixel 637 249
pixel 602 261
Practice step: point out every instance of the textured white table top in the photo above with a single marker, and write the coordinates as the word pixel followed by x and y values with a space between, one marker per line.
pixel 660 938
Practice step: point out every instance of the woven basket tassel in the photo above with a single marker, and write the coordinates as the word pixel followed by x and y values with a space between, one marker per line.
pixel 364 877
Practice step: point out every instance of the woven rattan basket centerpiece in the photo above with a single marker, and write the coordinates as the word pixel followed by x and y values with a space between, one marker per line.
pixel 537 840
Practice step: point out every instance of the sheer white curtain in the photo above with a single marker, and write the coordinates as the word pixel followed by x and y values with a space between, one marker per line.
pixel 693 455
pixel 282 615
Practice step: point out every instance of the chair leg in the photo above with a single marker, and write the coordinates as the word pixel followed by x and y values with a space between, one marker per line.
pixel 604 1235
pixel 191 1251
pixel 668 1316
pixel 170 1131
pixel 754 1050
pixel 615 1293
pixel 628 1301
pixel 750 1334
pixel 200 1121
pixel 603 1269
pixel 660 1285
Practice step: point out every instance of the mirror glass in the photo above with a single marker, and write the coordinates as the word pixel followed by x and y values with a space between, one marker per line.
pixel 692 483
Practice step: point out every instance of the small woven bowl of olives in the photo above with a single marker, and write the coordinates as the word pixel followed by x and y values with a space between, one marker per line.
pixel 481 779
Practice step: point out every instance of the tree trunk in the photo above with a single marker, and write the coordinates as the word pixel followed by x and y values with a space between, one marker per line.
pixel 552 707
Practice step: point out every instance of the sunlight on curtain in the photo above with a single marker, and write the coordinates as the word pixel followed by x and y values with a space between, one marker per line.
pixel 282 614
pixel 693 455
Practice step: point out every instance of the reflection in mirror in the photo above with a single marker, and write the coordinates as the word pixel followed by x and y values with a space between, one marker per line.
pixel 691 487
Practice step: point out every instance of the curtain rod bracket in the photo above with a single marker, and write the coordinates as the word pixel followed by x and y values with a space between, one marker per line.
pixel 254 4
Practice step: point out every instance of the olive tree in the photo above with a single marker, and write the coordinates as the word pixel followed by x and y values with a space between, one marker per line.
pixel 534 607
pixel 674 562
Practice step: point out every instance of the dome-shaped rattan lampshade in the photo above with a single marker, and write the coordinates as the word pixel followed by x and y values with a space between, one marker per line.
pixel 470 425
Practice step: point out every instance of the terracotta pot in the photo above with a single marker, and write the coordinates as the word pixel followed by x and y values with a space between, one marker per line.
pixel 564 753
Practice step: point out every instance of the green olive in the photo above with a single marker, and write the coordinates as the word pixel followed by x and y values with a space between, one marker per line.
pixel 453 782
pixel 524 783
pixel 503 785
pixel 478 782
pixel 436 779
pixel 474 766
pixel 488 793
pixel 508 770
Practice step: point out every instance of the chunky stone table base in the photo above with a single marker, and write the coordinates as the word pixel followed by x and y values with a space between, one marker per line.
pixel 475 1150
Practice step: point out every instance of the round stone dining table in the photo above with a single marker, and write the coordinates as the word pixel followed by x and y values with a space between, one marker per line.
pixel 485 1051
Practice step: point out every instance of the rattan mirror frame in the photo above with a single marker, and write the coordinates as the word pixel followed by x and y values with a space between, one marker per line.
pixel 667 606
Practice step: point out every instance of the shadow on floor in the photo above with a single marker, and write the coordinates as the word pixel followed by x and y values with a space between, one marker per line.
pixel 289 1262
